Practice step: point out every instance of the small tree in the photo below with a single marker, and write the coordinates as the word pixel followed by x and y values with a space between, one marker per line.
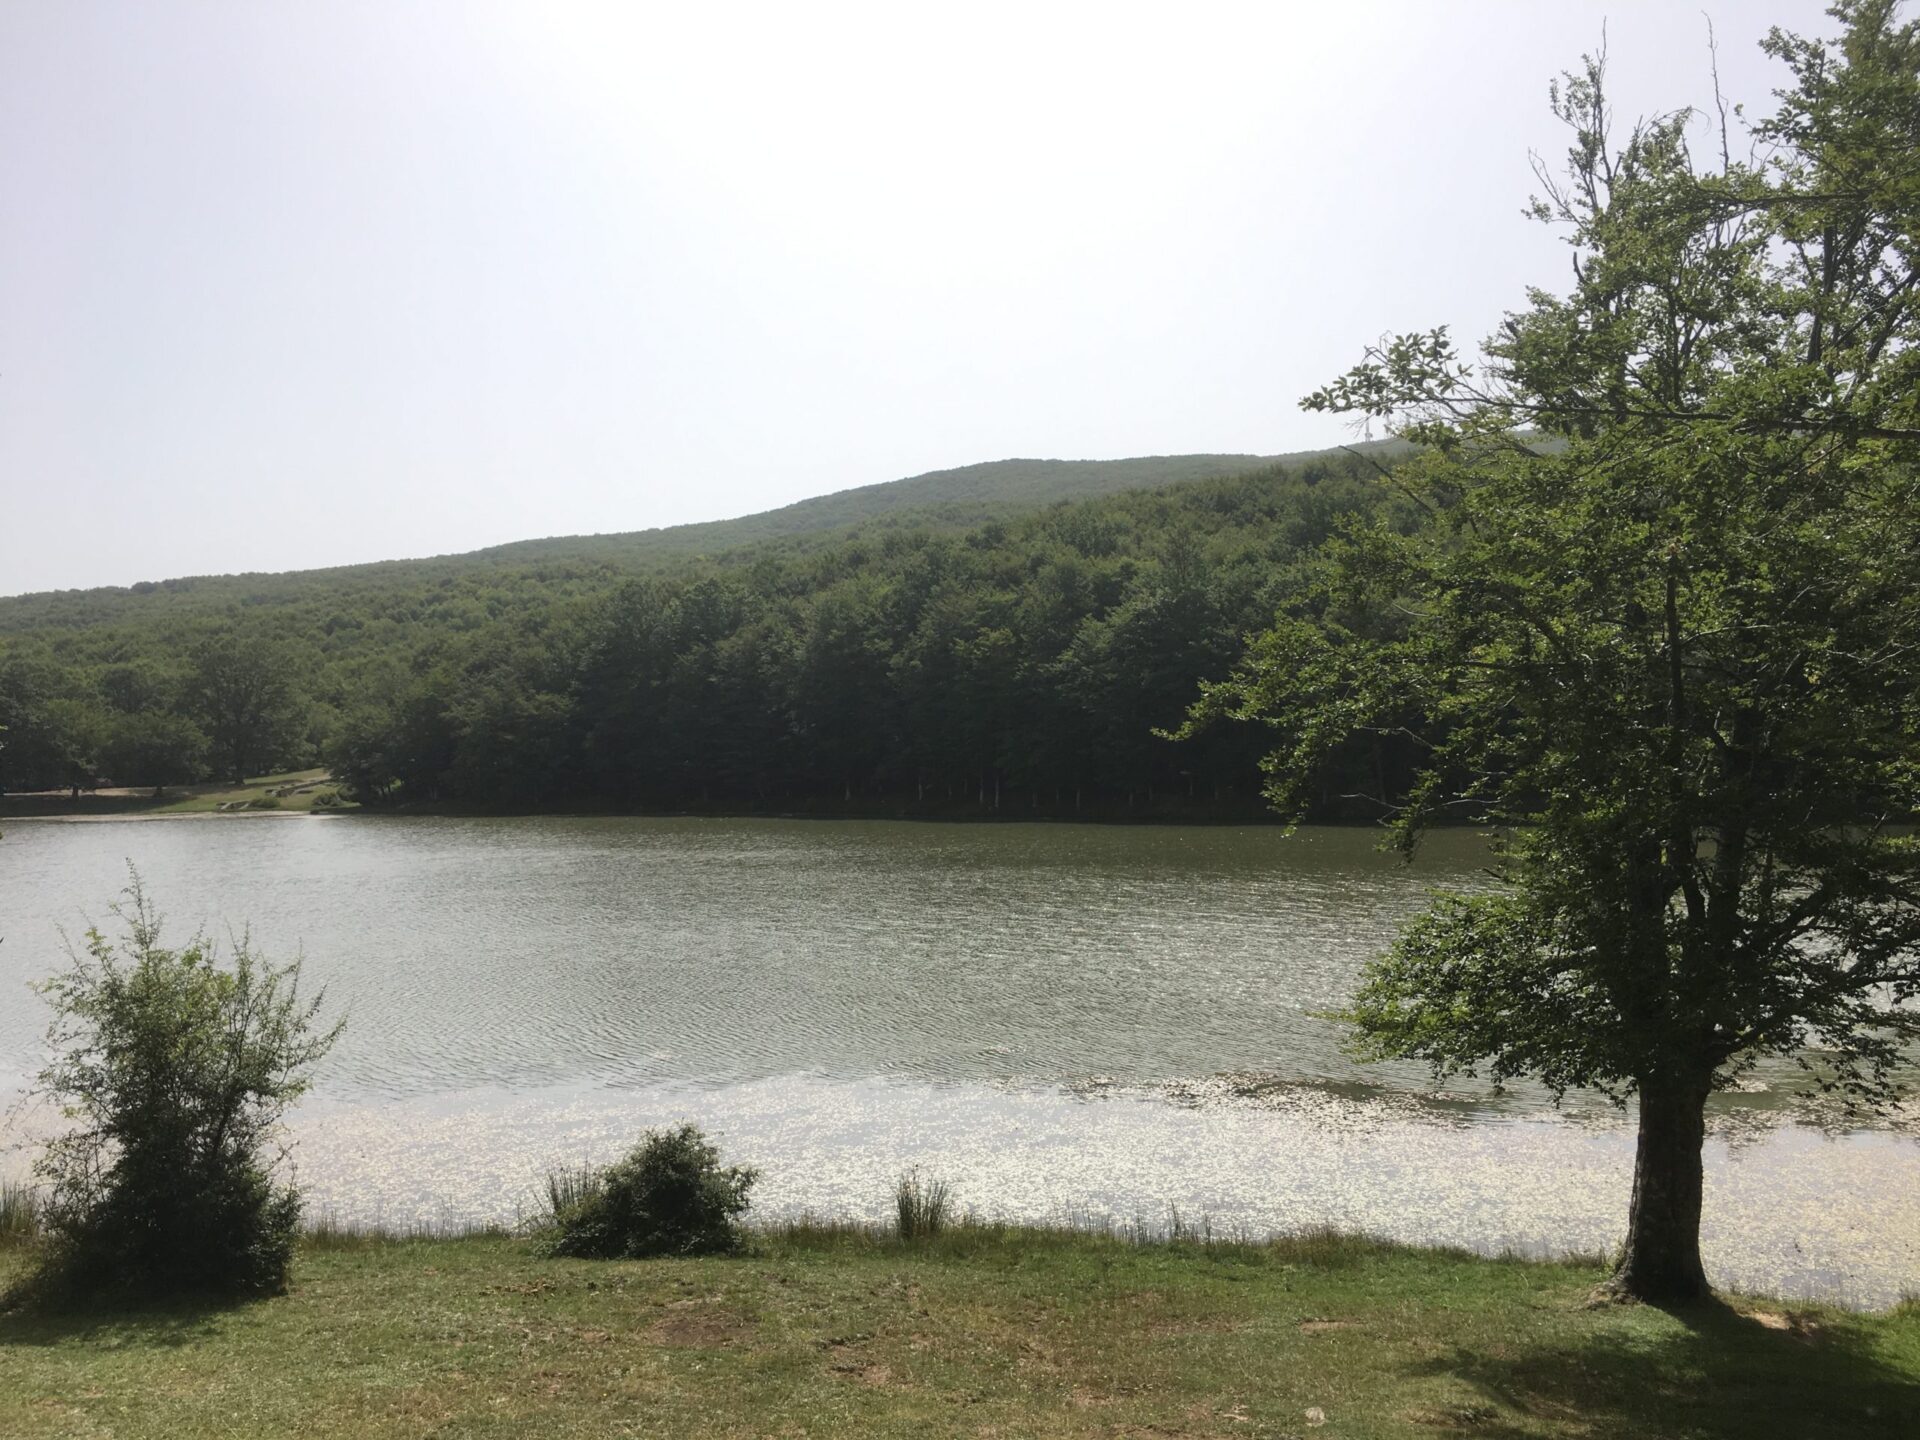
pixel 176 1069
pixel 1663 628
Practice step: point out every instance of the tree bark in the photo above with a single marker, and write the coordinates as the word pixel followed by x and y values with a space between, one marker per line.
pixel 1661 1262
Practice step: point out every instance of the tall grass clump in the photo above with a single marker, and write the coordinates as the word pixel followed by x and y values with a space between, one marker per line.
pixel 327 1231
pixel 571 1187
pixel 922 1206
pixel 19 1213
pixel 176 1067
pixel 669 1196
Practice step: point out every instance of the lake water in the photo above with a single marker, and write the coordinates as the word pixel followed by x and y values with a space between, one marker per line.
pixel 1067 1022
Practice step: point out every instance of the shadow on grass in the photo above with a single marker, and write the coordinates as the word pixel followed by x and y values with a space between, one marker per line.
pixel 1724 1376
pixel 64 806
pixel 38 1309
pixel 119 1325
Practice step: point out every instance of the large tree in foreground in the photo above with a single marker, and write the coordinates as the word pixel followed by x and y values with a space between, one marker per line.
pixel 1663 630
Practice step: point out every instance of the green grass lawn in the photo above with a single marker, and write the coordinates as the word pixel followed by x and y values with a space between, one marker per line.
pixel 295 791
pixel 979 1332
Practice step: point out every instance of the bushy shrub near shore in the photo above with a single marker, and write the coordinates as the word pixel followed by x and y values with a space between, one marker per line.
pixel 176 1067
pixel 670 1196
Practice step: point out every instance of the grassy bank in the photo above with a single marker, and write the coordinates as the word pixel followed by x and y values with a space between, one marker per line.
pixel 296 791
pixel 976 1332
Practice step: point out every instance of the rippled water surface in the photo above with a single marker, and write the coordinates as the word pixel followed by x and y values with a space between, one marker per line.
pixel 529 952
pixel 1069 1020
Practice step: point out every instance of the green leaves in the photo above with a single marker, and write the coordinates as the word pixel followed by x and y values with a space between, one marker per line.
pixel 1487 983
pixel 176 1068
pixel 1402 372
pixel 1664 630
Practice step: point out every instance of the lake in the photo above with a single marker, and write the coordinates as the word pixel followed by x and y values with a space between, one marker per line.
pixel 1067 1022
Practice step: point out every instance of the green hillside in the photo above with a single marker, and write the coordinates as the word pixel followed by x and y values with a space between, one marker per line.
pixel 940 500
pixel 957 498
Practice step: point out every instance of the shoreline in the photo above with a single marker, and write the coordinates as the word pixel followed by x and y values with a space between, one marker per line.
pixel 1805 1216
pixel 1812 1216
pixel 147 815
pixel 1263 820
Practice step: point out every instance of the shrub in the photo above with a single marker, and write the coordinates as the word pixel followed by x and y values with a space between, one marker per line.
pixel 176 1069
pixel 670 1196
pixel 922 1205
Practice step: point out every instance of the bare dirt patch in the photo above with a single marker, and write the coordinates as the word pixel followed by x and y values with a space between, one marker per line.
pixel 699 1325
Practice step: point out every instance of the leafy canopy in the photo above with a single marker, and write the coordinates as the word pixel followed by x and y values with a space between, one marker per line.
pixel 1663 630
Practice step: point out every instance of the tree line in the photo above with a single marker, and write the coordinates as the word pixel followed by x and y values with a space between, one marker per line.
pixel 1025 664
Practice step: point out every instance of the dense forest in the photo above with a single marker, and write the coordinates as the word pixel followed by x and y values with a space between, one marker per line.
pixel 1020 663
pixel 940 500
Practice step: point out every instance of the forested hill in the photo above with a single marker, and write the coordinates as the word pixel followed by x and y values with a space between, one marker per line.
pixel 1023 662
pixel 943 499
pixel 966 496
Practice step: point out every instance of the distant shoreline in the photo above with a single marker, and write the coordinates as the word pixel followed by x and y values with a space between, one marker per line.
pixel 107 816
pixel 1200 816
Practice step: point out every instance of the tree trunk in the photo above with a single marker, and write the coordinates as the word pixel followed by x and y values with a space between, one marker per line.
pixel 1661 1262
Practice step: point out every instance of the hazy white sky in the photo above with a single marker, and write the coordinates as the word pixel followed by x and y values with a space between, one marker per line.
pixel 285 284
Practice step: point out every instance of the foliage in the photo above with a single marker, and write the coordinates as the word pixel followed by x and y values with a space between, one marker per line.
pixel 175 1068
pixel 1020 665
pixel 248 707
pixel 342 597
pixel 1672 652
pixel 670 1196
pixel 158 747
